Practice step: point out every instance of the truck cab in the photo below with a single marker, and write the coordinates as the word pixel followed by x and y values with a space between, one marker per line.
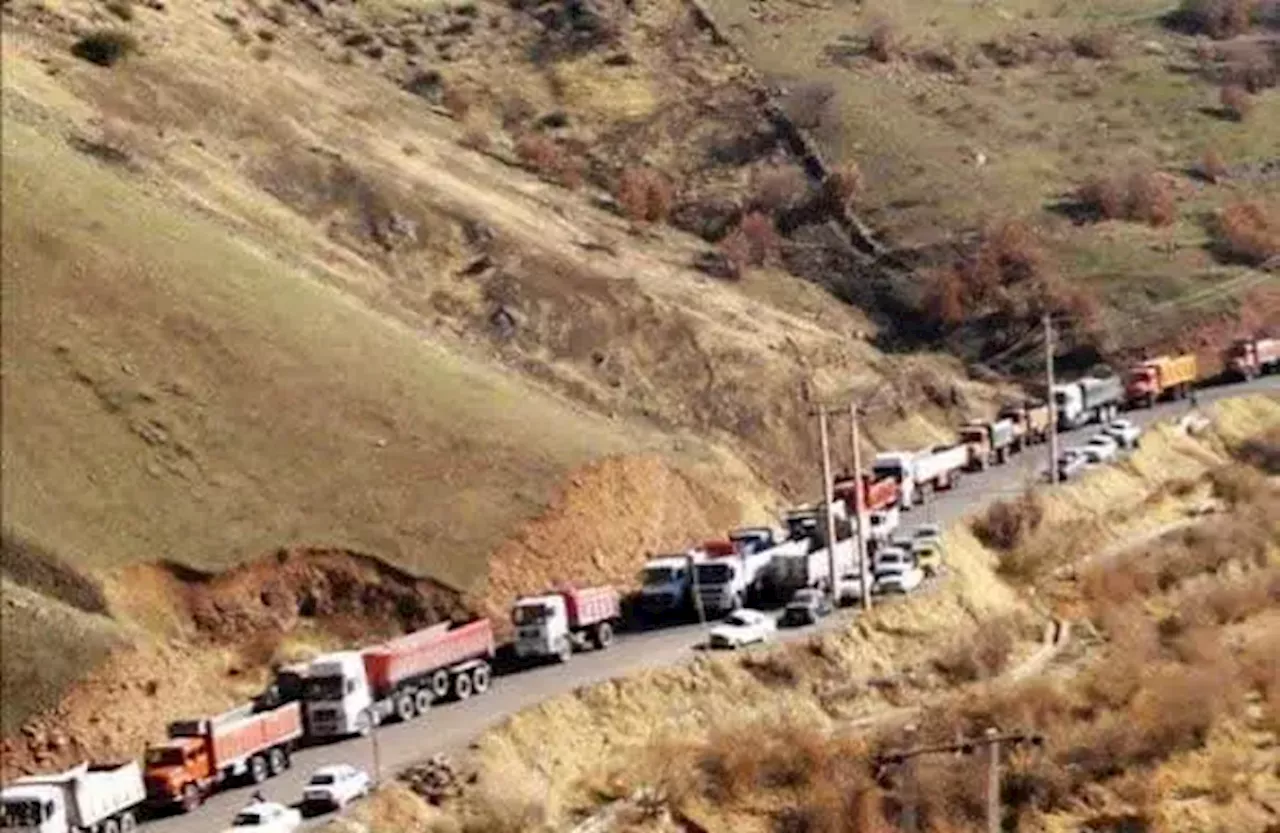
pixel 977 439
pixel 666 583
pixel 1143 384
pixel 720 583
pixel 337 696
pixel 34 808
pixel 542 625
pixel 177 771
pixel 753 539
pixel 898 466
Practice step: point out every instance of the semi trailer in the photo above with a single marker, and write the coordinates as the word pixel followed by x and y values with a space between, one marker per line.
pixel 349 692
pixel 988 443
pixel 1163 377
pixel 95 798
pixel 1093 398
pixel 558 622
pixel 203 754
pixel 920 473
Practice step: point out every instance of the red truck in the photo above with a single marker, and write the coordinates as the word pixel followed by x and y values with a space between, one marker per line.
pixel 556 623
pixel 1154 379
pixel 348 692
pixel 206 752
pixel 1250 357
pixel 877 493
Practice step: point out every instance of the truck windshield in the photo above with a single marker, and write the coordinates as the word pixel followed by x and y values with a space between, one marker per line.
pixel 530 614
pixel 714 573
pixel 247 820
pixel 323 688
pixel 164 756
pixel 883 470
pixel 20 814
pixel 658 575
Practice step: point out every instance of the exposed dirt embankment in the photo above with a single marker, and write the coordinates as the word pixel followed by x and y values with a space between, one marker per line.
pixel 610 516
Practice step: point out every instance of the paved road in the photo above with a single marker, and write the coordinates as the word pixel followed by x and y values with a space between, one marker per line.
pixel 452 726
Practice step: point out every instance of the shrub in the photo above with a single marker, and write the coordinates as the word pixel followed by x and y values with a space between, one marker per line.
pixel 779 188
pixel 1008 523
pixel 1098 44
pixel 1144 196
pixel 457 100
pixel 645 195
pixel 884 43
pixel 843 184
pixel 1237 483
pixel 1212 166
pixel 978 656
pixel 1253 66
pixel 476 138
pixel 1236 101
pixel 105 47
pixel 761 236
pixel 1217 18
pixel 543 155
pixel 809 104
pixel 1248 232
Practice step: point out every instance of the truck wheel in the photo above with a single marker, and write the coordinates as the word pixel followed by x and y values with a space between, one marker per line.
pixel 191 798
pixel 481 675
pixel 277 761
pixel 110 826
pixel 462 686
pixel 257 769
pixel 404 708
pixel 128 822
pixel 422 701
pixel 604 635
pixel 440 683
pixel 1002 454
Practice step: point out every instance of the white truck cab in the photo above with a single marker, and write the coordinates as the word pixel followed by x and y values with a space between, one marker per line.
pixel 883 522
pixel 338 698
pixel 542 624
pixel 34 808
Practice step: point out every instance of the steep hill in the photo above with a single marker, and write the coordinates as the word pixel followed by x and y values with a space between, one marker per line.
pixel 263 306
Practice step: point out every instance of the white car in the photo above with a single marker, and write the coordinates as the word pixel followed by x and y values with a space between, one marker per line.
pixel 1125 432
pixel 336 786
pixel 266 817
pixel 896 571
pixel 1100 449
pixel 742 627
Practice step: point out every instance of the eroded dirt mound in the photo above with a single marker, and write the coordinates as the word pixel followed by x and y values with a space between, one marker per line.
pixel 608 518
pixel 289 589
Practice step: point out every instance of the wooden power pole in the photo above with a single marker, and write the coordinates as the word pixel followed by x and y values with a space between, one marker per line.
pixel 828 499
pixel 1053 405
pixel 860 530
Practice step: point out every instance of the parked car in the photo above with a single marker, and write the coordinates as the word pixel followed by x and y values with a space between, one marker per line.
pixel 849 589
pixel 1125 432
pixel 336 786
pixel 928 555
pixel 926 531
pixel 1100 449
pixel 1070 463
pixel 896 571
pixel 806 607
pixel 742 627
pixel 266 817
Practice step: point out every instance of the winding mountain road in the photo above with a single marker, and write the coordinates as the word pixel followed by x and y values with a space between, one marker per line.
pixel 451 727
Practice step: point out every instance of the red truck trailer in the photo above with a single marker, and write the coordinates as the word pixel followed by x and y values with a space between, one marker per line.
pixel 1250 357
pixel 204 753
pixel 1154 379
pixel 349 691
pixel 556 623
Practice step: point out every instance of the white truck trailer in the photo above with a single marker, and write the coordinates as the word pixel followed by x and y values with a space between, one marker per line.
pixel 1093 398
pixel 94 798
pixel 921 473
pixel 557 623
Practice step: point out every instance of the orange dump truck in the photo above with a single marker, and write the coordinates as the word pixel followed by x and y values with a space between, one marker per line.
pixel 1155 379
pixel 203 754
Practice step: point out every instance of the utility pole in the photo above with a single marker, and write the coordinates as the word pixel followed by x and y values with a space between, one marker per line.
pixel 828 499
pixel 993 782
pixel 372 717
pixel 1053 405
pixel 861 528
